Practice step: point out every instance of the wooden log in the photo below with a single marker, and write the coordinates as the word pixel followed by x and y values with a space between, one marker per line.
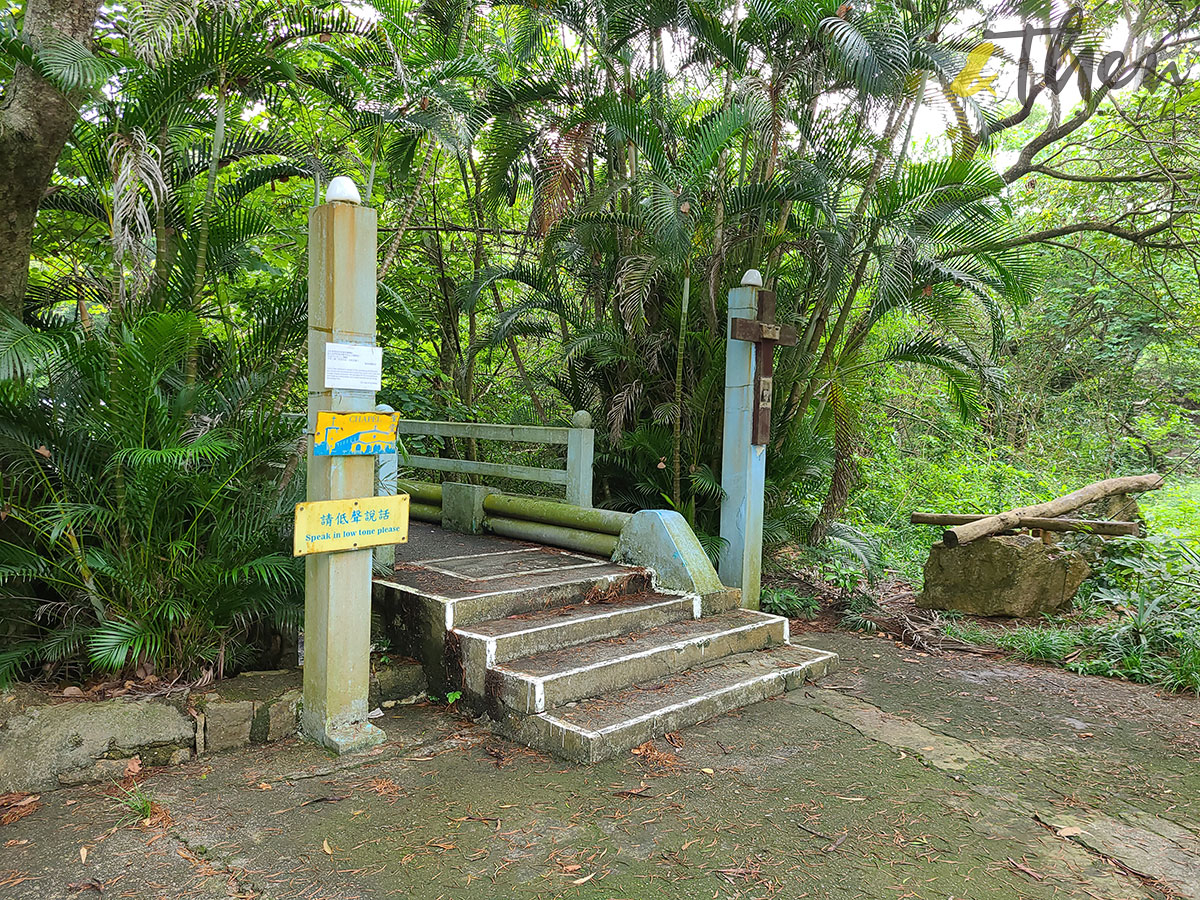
pixel 1132 484
pixel 1093 526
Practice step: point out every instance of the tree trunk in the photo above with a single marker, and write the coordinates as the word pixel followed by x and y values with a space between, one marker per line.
pixel 1086 526
pixel 1131 484
pixel 845 476
pixel 36 119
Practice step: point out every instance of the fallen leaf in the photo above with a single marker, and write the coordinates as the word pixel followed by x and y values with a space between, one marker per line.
pixel 574 867
pixel 1028 871
pixel 72 691
pixel 585 879
pixel 263 786
pixel 83 854
pixel 42 451
pixel 325 847
pixel 631 792
pixel 1070 831
pixel 133 766
pixel 16 842
pixel 708 771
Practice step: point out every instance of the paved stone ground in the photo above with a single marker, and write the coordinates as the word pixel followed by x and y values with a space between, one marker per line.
pixel 901 777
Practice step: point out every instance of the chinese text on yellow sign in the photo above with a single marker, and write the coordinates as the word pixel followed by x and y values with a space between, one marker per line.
pixel 327 525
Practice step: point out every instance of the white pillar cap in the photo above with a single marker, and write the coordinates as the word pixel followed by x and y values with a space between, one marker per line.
pixel 343 190
pixel 752 278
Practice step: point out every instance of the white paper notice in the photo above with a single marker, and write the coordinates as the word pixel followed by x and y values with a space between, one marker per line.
pixel 353 367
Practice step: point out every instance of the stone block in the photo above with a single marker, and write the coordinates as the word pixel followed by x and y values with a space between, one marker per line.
pixel 1009 575
pixel 283 714
pixel 227 724
pixel 275 718
pixel 398 681
pixel 462 506
pixel 70 743
pixel 662 540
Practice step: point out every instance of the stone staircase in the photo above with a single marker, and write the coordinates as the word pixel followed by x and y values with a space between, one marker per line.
pixel 594 660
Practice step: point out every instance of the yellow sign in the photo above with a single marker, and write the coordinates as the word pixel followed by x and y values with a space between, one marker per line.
pixel 354 434
pixel 327 525
pixel 971 80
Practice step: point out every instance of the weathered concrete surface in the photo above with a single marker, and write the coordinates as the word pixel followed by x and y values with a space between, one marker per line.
pixel 662 540
pixel 46 744
pixel 1009 575
pixel 462 506
pixel 70 743
pixel 904 778
pixel 405 681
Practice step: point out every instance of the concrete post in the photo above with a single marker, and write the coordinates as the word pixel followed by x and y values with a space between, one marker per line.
pixel 581 444
pixel 387 474
pixel 743 465
pixel 337 586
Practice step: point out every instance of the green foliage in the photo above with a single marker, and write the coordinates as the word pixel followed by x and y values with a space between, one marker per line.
pixel 786 601
pixel 145 518
pixel 564 208
pixel 136 803
pixel 1146 626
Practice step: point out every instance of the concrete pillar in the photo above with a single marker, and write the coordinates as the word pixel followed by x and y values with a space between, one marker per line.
pixel 743 464
pixel 337 586
pixel 462 506
pixel 387 475
pixel 581 443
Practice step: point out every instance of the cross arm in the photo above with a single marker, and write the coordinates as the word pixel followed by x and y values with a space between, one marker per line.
pixel 756 332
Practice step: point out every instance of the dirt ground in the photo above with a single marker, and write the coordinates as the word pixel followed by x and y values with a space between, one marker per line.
pixel 901 776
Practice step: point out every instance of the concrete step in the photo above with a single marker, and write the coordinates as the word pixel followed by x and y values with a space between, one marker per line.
pixel 533 684
pixel 598 728
pixel 485 644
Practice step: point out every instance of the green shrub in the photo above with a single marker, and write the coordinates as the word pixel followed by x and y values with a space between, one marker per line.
pixel 146 512
pixel 790 602
pixel 1147 591
pixel 1039 643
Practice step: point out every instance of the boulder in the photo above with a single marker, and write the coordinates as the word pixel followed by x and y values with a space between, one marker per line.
pixel 1008 575
pixel 69 743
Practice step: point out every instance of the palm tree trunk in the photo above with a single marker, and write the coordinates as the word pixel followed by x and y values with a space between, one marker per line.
pixel 162 240
pixel 36 119
pixel 394 246
pixel 210 193
pixel 869 189
pixel 845 475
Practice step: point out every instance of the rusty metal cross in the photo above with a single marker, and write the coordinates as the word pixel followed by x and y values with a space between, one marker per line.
pixel 766 335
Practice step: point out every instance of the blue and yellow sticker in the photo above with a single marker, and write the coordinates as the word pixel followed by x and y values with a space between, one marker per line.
pixel 354 434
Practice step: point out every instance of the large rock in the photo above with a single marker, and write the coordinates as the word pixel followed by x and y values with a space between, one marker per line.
pixel 70 743
pixel 1015 575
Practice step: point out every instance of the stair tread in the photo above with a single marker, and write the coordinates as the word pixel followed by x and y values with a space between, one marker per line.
pixel 612 650
pixel 617 709
pixel 576 612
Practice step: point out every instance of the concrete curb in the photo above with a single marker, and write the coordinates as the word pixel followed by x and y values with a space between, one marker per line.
pixel 47 745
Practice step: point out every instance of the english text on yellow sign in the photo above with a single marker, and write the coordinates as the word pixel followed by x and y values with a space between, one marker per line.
pixel 324 526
